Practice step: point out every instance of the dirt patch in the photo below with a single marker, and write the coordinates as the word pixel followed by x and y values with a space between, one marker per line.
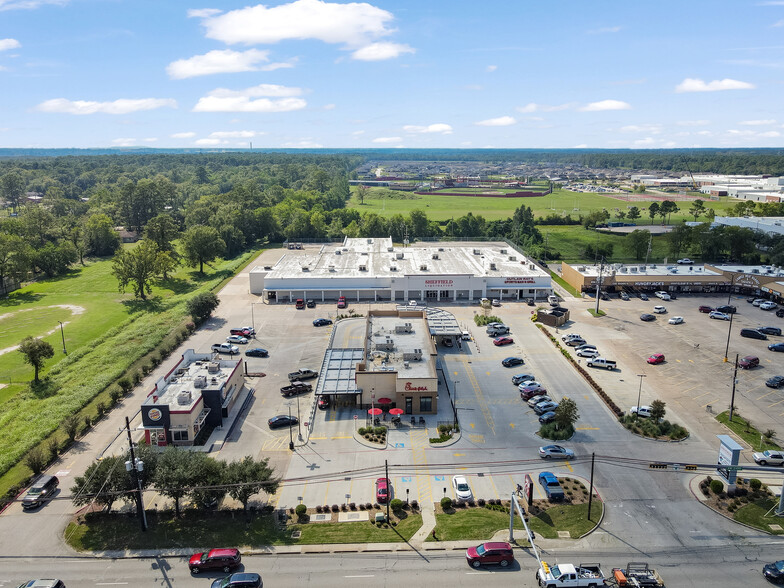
pixel 72 307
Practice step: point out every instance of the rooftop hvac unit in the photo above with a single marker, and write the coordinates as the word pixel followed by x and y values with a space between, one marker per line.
pixel 337 251
pixel 581 268
pixel 435 256
pixel 364 253
pixel 267 267
pixel 200 381
pixel 755 271
pixel 406 365
pixel 345 249
pixel 642 268
pixel 213 367
pixel 363 268
pixel 390 248
pixel 423 268
pixel 653 266
pixel 503 251
pixel 332 268
pixel 399 256
pixel 492 266
pixel 531 266
pixel 691 268
pixel 184 397
pixel 305 268
pixel 440 248
pixel 476 251
pixel 370 241
pixel 512 258
pixel 393 268
pixel 623 270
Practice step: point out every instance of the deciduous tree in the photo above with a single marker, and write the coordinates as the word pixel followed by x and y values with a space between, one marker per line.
pixel 566 413
pixel 248 477
pixel 200 307
pixel 657 410
pixel 36 351
pixel 138 267
pixel 202 244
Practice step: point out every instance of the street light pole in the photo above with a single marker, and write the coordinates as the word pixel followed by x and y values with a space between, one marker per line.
pixel 734 381
pixel 639 395
pixel 62 334
pixel 599 283
pixel 732 315
pixel 299 426
pixel 291 434
pixel 454 400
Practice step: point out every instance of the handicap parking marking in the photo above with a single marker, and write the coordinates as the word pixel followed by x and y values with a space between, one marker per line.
pixel 399 445
pixel 406 479
pixel 440 478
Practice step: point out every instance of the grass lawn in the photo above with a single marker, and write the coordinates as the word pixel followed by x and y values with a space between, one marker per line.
pixel 760 514
pixel 563 283
pixel 746 431
pixel 102 532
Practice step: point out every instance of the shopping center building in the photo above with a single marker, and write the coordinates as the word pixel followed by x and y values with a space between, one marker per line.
pixel 374 269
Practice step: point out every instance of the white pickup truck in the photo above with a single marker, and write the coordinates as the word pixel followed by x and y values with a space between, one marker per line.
pixel 588 575
pixel 225 348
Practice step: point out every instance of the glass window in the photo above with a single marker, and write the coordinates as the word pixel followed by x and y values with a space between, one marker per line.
pixel 180 435
pixel 426 404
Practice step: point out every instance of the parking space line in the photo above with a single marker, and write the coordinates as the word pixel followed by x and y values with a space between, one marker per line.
pixel 326 494
pixel 586 428
pixel 766 395
pixel 492 483
pixel 480 397
pixel 711 402
pixel 419 441
pixel 703 394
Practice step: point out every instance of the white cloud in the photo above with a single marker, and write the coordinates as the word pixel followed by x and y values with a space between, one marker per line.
pixel 357 133
pixel 606 105
pixel 704 133
pixel 254 99
pixel 744 133
pixel 6 44
pixel 692 123
pixel 209 142
pixel 124 142
pixel 442 128
pixel 121 106
pixel 604 30
pixel 491 68
pixel 654 129
pixel 501 121
pixel 646 142
pixel 150 139
pixel 225 61
pixel 187 135
pixel 28 4
pixel 329 107
pixel 534 107
pixel 387 139
pixel 303 144
pixel 581 146
pixel 769 134
pixel 697 85
pixel 203 12
pixel 758 123
pixel 381 51
pixel 233 134
pixel 778 23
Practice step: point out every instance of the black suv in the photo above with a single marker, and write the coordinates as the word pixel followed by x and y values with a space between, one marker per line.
pixel 241 580
pixel 752 334
pixel 41 492
pixel 727 309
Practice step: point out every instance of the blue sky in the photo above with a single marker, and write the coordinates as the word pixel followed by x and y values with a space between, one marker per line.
pixel 403 73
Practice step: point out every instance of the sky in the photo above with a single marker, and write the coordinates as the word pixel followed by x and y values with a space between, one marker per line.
pixel 384 73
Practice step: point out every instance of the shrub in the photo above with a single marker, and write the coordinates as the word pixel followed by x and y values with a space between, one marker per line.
pixel 368 506
pixel 325 508
pixel 53 446
pixel 70 427
pixel 717 486
pixel 146 369
pixel 36 460
pixel 446 503
pixel 396 504
pixel 362 430
pixel 755 484
pixel 471 503
pixel 88 422
pixel 343 507
pixel 481 502
pixel 115 394
pixel 380 431
pixel 353 505
pixel 361 506
pixel 137 377
pixel 318 508
pixel 335 508
pixel 414 504
pixel 100 408
pixel 300 510
pixel 125 384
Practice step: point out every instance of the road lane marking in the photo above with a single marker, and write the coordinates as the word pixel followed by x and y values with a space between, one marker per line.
pixel 586 428
pixel 365 576
pixel 512 425
pixel 459 454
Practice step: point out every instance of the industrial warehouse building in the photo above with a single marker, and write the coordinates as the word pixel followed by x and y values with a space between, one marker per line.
pixel 376 270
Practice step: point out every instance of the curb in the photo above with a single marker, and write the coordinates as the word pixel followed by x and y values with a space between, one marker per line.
pixel 362 441
pixel 450 442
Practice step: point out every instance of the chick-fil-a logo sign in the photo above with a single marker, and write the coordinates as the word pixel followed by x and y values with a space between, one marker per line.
pixel 410 388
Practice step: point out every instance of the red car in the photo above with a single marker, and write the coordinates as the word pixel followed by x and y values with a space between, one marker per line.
pixel 342 302
pixel 299 303
pixel 530 392
pixel 490 553
pixel 215 559
pixel 656 358
pixel 706 309
pixel 382 490
pixel 503 341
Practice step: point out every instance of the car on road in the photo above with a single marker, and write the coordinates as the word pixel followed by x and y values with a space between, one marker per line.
pixel 656 359
pixel 727 309
pixel 311 304
pixel 321 322
pixel 544 407
pixel 768 305
pixel 237 339
pixel 676 320
pixel 498 341
pixel 575 342
pixel 753 334
pixel 774 458
pixel 518 379
pixel 512 361
pixel 587 353
pixel 643 411
pixel 547 417
pixel 770 331
pixel 282 420
pixel 534 400
pixel 775 382
pixel 257 352
pixel 43 583
pixel 382 490
pixel 41 492
pixel 719 316
pixel 685 261
pixel 774 572
pixel 706 309
pixel 323 402
pixel 555 452
pixel 529 393
pixel 529 384
pixel 552 487
pixel 239 580
pixel 499 553
pixel 215 559
pixel 624 296
pixel 748 362
pixel 342 302
pixel 643 296
pixel 462 489
pixel 776 347
pixel 659 310
pixel 647 317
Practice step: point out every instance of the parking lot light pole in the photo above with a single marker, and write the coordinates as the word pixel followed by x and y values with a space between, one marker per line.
pixel 639 395
pixel 62 334
pixel 734 381
pixel 732 315
pixel 291 434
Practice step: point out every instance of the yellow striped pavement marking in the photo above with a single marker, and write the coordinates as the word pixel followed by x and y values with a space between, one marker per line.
pixel 419 442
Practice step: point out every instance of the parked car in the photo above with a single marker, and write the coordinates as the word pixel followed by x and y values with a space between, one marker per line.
pixel 382 490
pixel 257 352
pixel 552 487
pixel 237 339
pixel 499 553
pixel 447 342
pixel 587 353
pixel 775 382
pixel 239 580
pixel 544 407
pixel 748 362
pixel 529 393
pixel 323 402
pixel 295 388
pixel 498 341
pixel 774 458
pixel 518 379
pixel 774 572
pixel 647 317
pixel 342 302
pixel 720 316
pixel 643 296
pixel 727 309
pixel 624 296
pixel 753 334
pixel 243 331
pixel 768 305
pixel 770 331
pixel 40 492
pixel 534 400
pixel 601 362
pixel 532 384
pixel 643 411
pixel 575 342
pixel 569 336
pixel 555 452
pixel 757 301
pixel 706 309
pixel 46 582
pixel 311 304
pixel 321 322
pixel 685 261
pixel 299 304
pixel 676 320
pixel 462 489
pixel 656 359
pixel 780 313
pixel 302 374
pixel 659 310
pixel 776 346
pixel 547 417
pixel 496 302
pixel 512 361
pixel 282 420
pixel 215 559
pixel 662 295
pixel 225 348
pixel 585 346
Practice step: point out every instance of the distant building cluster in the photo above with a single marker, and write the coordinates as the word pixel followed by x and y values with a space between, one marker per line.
pixel 756 188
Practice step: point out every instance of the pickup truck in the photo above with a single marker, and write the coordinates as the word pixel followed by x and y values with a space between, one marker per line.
pixel 302 375
pixel 225 348
pixel 585 575
pixel 552 487
pixel 496 330
pixel 295 388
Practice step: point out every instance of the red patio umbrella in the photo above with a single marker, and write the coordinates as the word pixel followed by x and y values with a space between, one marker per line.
pixel 385 401
pixel 375 411
pixel 396 411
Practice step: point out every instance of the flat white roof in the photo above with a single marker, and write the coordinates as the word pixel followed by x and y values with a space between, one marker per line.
pixel 654 269
pixel 762 270
pixel 383 328
pixel 182 389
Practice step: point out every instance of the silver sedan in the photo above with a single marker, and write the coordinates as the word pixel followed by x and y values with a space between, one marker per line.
pixel 555 452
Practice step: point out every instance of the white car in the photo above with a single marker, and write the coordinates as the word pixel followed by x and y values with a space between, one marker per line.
pixel 676 320
pixel 663 295
pixel 643 411
pixel 685 261
pixel 539 399
pixel 237 339
pixel 462 489
pixel 529 384
pixel 659 310
pixel 757 301
pixel 496 302
pixel 587 353
pixel 768 305
pixel 570 337
pixel 715 314
pixel 774 458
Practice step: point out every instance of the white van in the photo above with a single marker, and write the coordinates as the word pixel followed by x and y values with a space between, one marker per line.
pixel 553 300
pixel 601 362
pixel 465 336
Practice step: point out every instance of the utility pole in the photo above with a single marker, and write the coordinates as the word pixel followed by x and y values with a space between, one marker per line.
pixel 590 492
pixel 639 394
pixel 136 466
pixel 599 283
pixel 734 381
pixel 386 475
